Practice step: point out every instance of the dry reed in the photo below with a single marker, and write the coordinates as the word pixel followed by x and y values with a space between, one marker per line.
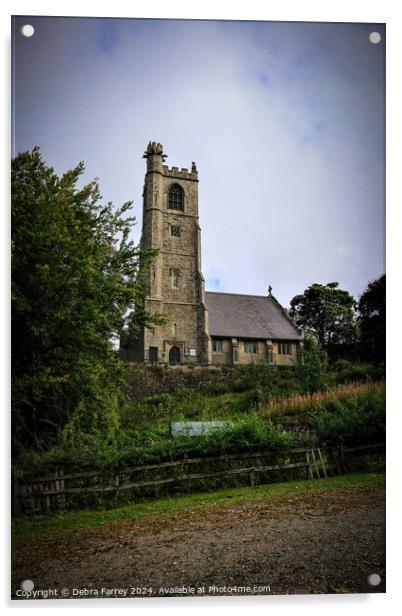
pixel 299 403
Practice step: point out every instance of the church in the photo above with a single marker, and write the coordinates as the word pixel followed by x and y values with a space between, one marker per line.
pixel 202 328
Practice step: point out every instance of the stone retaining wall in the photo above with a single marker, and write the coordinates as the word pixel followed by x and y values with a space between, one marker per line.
pixel 151 380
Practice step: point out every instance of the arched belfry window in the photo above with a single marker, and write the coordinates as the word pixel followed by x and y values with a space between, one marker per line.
pixel 176 198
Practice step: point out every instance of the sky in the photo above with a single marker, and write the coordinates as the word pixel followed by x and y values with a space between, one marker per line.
pixel 285 121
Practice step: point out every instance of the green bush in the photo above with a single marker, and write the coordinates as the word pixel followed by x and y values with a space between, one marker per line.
pixel 157 445
pixel 217 389
pixel 356 421
pixel 256 375
pixel 313 375
pixel 345 371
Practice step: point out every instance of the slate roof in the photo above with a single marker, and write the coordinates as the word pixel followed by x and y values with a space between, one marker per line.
pixel 248 316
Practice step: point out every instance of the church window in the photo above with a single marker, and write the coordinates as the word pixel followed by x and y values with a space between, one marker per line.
pixel 174 329
pixel 175 231
pixel 176 198
pixel 270 356
pixel 217 346
pixel 284 348
pixel 250 346
pixel 174 275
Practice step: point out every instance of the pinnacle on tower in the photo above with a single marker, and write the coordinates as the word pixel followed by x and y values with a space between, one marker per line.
pixel 154 148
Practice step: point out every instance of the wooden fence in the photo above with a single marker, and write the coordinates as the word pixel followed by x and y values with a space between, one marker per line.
pixel 57 491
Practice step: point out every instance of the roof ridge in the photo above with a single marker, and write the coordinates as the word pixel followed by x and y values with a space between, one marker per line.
pixel 238 294
pixel 286 315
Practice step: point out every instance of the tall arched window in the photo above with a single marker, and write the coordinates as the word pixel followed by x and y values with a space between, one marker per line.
pixel 176 198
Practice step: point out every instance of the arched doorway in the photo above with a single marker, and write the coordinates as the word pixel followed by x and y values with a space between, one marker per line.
pixel 174 355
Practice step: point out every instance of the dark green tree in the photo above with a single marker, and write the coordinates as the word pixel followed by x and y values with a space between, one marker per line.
pixel 77 281
pixel 313 372
pixel 371 321
pixel 326 311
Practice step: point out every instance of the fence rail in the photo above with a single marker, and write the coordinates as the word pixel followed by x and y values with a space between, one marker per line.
pixel 50 492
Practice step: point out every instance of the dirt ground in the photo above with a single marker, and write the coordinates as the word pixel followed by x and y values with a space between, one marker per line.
pixel 327 542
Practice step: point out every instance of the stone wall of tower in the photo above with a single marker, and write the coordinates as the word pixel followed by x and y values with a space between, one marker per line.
pixel 175 282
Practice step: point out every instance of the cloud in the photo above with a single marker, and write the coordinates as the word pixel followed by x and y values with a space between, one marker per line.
pixel 284 120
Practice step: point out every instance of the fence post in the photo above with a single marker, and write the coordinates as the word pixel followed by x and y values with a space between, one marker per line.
pixel 315 464
pixel 48 499
pixel 343 465
pixel 310 472
pixel 185 471
pixel 252 478
pixel 16 494
pixel 322 462
pixel 59 485
pixel 335 456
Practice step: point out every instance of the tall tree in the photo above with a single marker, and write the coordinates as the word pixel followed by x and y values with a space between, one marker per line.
pixel 327 311
pixel 313 372
pixel 77 281
pixel 371 321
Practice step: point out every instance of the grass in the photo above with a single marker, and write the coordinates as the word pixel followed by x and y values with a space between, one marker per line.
pixel 188 406
pixel 145 432
pixel 298 404
pixel 65 523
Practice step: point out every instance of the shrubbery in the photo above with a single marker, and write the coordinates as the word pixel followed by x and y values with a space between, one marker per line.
pixel 356 421
pixel 256 403
pixel 345 371
pixel 153 446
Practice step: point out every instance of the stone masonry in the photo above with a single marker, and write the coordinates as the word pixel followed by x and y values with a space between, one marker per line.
pixel 175 282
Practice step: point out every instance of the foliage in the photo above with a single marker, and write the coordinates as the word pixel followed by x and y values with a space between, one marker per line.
pixel 300 405
pixel 327 311
pixel 345 371
pixel 256 375
pixel 249 389
pixel 156 445
pixel 371 321
pixel 313 373
pixel 357 420
pixel 350 413
pixel 77 281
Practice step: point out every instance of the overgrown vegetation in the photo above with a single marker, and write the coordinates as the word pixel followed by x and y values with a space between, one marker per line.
pixel 77 281
pixel 256 419
pixel 301 405
pixel 156 445
pixel 356 420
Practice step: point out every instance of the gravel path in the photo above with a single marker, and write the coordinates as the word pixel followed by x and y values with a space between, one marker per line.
pixel 327 542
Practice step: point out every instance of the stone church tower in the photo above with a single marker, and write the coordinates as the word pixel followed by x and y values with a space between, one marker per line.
pixel 175 285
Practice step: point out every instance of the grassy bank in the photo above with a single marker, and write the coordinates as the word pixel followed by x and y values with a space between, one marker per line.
pixel 347 415
pixel 61 524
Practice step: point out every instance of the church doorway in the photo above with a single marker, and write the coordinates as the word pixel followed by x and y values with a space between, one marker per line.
pixel 174 355
pixel 153 355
